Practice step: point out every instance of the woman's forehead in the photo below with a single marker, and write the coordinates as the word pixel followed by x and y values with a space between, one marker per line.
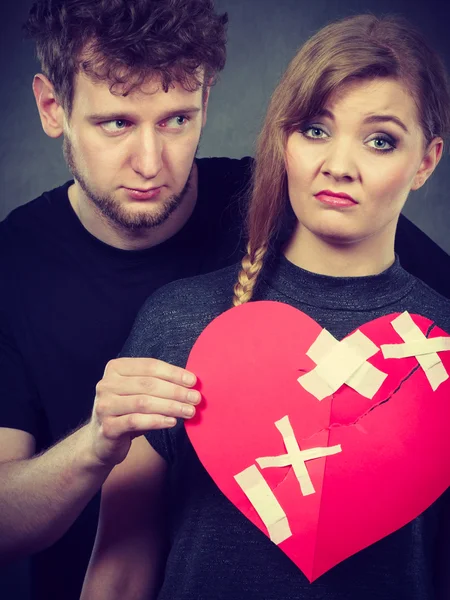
pixel 364 99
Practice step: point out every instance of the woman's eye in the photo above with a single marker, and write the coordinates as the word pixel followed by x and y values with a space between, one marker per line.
pixel 314 132
pixel 380 143
pixel 114 126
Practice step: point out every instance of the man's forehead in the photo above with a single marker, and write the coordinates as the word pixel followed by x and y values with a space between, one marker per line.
pixel 106 94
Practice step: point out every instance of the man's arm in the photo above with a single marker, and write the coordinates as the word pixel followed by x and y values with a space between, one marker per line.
pixel 130 547
pixel 41 496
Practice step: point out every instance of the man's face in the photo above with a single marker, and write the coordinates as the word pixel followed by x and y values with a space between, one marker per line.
pixel 132 156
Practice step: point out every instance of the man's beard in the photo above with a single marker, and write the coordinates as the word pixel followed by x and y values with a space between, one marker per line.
pixel 117 214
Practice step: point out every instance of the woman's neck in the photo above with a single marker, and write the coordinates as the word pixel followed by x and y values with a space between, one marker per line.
pixel 352 259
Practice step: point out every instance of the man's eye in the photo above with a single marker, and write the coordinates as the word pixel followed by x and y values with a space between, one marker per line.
pixel 114 126
pixel 176 122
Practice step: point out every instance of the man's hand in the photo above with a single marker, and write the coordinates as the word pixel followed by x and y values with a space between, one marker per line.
pixel 41 496
pixel 134 396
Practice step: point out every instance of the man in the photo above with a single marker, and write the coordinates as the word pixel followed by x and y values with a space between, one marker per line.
pixel 126 82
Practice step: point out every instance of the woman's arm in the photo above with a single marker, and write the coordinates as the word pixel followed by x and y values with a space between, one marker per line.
pixel 129 551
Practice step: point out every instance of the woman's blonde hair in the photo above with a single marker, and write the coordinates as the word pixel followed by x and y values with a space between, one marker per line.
pixel 359 47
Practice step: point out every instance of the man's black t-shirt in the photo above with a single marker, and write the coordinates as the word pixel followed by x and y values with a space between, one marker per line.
pixel 68 302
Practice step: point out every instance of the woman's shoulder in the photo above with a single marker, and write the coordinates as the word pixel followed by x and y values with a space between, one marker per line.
pixel 194 293
pixel 178 312
pixel 429 303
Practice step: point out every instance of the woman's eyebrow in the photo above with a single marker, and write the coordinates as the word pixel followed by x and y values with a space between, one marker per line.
pixel 370 119
pixel 386 118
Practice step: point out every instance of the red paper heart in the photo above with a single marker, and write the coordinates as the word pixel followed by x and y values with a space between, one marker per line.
pixel 395 458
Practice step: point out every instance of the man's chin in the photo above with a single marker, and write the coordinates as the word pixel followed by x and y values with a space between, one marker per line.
pixel 139 219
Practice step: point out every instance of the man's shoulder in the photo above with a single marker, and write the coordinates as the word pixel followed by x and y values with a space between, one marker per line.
pixel 34 217
pixel 421 256
pixel 224 176
pixel 225 167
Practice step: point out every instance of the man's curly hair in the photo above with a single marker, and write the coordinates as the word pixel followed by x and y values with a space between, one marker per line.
pixel 125 41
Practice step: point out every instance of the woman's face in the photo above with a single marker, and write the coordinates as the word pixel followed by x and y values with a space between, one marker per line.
pixel 367 144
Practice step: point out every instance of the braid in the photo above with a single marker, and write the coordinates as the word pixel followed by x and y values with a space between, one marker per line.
pixel 244 288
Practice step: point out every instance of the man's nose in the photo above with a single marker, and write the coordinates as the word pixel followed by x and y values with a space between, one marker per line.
pixel 147 153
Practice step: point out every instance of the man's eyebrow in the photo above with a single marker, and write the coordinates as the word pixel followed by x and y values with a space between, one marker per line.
pixel 190 110
pixel 120 115
pixel 110 116
pixel 371 119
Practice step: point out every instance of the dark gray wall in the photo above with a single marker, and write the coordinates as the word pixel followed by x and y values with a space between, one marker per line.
pixel 263 37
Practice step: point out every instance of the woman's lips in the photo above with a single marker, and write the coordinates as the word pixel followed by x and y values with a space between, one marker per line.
pixel 335 199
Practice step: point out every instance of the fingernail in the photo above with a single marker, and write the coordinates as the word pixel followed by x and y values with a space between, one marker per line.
pixel 170 421
pixel 193 397
pixel 189 378
pixel 188 410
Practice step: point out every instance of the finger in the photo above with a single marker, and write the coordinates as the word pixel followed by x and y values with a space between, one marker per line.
pixel 136 424
pixel 151 367
pixel 149 386
pixel 141 404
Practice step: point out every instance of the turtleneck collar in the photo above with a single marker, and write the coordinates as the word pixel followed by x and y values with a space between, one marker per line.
pixel 324 291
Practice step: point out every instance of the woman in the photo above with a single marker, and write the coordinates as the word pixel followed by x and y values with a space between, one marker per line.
pixel 357 121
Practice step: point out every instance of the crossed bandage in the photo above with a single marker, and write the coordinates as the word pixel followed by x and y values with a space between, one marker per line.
pixel 258 491
pixel 346 361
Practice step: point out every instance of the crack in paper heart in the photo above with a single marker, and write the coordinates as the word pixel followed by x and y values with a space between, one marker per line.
pixel 368 411
pixel 361 417
pixel 377 405
pixel 354 423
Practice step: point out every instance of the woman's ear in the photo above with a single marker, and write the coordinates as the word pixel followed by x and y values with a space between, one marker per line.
pixel 429 162
pixel 50 110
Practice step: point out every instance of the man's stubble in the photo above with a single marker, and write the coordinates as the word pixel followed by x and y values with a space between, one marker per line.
pixel 114 211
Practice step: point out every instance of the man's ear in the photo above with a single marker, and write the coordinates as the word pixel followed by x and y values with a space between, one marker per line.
pixel 429 162
pixel 50 110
